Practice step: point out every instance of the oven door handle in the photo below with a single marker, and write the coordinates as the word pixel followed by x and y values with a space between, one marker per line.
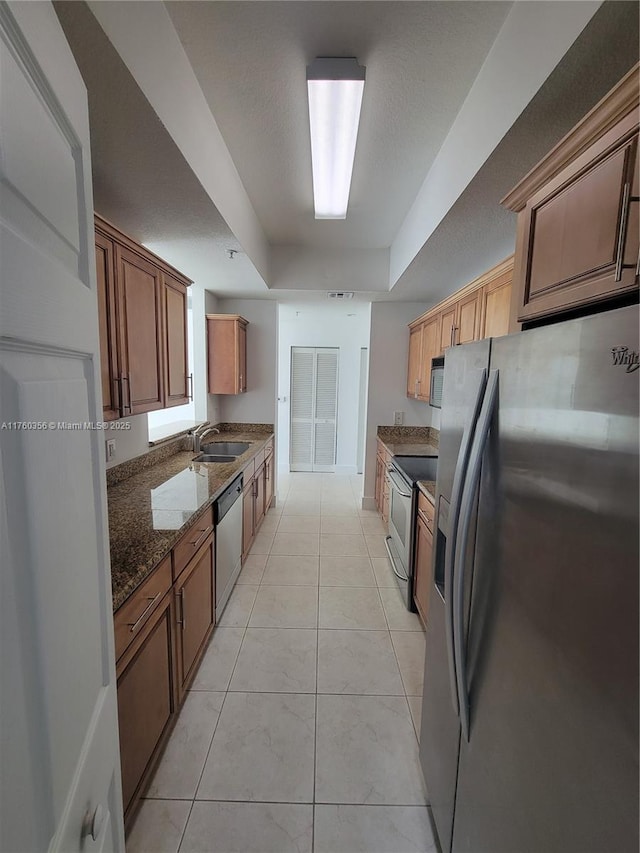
pixel 398 487
pixel 387 545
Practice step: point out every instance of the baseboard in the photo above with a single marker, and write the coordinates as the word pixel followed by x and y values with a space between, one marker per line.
pixel 346 469
pixel 369 503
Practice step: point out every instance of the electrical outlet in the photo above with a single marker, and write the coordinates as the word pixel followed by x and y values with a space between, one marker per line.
pixel 111 449
pixel 398 418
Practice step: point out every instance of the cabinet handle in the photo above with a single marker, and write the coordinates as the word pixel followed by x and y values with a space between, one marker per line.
pixel 127 405
pixel 622 232
pixel 415 388
pixel 241 388
pixel 266 470
pixel 190 386
pixel 152 600
pixel 182 621
pixel 200 538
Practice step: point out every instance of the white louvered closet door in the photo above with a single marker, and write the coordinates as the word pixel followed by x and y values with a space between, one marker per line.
pixel 314 408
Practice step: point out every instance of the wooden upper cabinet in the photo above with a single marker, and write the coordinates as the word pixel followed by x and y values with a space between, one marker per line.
pixel 468 318
pixel 227 353
pixel 142 324
pixel 415 351
pixel 174 297
pixel 495 306
pixel 111 389
pixel 447 326
pixel 138 282
pixel 479 310
pixel 577 240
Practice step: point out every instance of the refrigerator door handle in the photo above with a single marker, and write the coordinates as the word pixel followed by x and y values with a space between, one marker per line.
pixel 454 515
pixel 466 511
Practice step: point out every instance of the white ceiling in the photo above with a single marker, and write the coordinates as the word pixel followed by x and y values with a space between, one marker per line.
pixel 249 60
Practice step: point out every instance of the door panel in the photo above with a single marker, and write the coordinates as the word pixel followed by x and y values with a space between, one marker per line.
pixel 447 325
pixel 105 272
pixel 552 651
pixel 141 332
pixel 175 319
pixel 196 608
pixel 469 318
pixel 57 689
pixel 314 408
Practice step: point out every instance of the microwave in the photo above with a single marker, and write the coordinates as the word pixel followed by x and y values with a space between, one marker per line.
pixel 437 378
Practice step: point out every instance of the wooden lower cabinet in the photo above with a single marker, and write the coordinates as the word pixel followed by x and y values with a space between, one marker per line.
pixel 248 528
pixel 195 612
pixel 257 496
pixel 422 561
pixel 268 482
pixel 147 701
pixel 382 482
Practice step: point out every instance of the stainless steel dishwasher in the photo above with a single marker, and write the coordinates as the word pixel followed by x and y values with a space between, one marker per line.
pixel 228 520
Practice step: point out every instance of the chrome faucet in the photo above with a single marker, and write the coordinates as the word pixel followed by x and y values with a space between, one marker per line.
pixel 200 433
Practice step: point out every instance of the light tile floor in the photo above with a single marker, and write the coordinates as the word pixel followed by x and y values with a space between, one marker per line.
pixel 299 731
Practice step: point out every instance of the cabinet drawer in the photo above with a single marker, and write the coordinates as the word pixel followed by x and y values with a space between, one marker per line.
pixel 191 541
pixel 248 471
pixel 259 458
pixel 136 611
pixel 426 510
pixel 268 450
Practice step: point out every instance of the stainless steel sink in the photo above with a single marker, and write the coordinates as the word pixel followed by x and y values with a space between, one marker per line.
pixel 213 457
pixel 227 448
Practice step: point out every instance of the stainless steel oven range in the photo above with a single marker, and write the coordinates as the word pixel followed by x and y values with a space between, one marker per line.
pixel 404 473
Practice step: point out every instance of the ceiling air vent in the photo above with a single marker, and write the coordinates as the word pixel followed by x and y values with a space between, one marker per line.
pixel 340 294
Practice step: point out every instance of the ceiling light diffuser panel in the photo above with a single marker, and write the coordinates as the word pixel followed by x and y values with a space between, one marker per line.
pixel 335 87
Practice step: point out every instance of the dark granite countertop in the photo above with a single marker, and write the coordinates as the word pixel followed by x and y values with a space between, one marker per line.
pixel 428 488
pixel 410 448
pixel 150 510
pixel 409 441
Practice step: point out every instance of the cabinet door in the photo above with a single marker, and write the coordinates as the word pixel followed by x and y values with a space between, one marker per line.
pixel 422 570
pixel 138 284
pixel 227 353
pixel 575 246
pixel 174 298
pixel 468 318
pixel 241 331
pixel 447 327
pixel 496 306
pixel 146 700
pixel 196 614
pixel 268 482
pixel 430 350
pixel 248 500
pixel 105 268
pixel 259 492
pixel 413 368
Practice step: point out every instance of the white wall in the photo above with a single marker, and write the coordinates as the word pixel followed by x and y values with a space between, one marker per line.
pixel 388 357
pixel 210 306
pixel 129 442
pixel 344 325
pixel 258 405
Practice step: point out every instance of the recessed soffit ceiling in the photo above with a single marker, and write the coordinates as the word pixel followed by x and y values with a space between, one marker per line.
pixel 143 182
pixel 250 59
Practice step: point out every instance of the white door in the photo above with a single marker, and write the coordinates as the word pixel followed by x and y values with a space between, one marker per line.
pixel 60 776
pixel 314 408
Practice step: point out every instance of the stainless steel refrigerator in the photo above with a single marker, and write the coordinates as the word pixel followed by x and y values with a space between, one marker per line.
pixel 529 735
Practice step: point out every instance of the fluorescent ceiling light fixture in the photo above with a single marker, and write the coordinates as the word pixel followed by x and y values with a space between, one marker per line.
pixel 335 87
